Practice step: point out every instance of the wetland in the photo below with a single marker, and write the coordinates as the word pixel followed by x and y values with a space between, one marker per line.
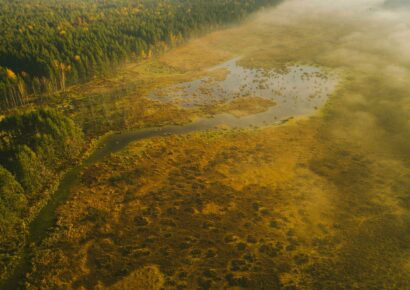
pixel 285 168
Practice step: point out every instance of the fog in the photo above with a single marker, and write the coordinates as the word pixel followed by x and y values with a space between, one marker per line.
pixel 318 201
pixel 368 44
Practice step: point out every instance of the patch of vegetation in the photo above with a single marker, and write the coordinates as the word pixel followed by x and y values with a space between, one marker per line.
pixel 35 147
pixel 222 209
pixel 242 106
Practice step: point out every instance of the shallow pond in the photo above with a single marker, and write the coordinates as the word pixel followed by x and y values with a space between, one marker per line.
pixel 295 89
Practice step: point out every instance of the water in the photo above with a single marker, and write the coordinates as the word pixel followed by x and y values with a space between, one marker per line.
pixel 296 86
pixel 296 89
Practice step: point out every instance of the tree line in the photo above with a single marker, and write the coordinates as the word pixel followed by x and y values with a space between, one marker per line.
pixel 46 45
pixel 34 147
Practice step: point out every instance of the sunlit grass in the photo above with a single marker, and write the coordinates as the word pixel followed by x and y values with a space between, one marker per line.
pixel 319 203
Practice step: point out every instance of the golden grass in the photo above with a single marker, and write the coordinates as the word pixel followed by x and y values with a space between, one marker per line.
pixel 245 106
pixel 265 195
pixel 146 278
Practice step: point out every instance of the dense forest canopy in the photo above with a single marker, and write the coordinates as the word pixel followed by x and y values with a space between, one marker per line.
pixel 46 45
pixel 34 147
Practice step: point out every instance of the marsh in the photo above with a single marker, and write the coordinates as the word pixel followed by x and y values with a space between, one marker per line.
pixel 319 202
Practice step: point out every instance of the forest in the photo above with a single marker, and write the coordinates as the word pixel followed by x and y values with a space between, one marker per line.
pixel 34 148
pixel 47 45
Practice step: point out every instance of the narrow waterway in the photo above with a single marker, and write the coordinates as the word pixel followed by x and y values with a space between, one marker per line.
pixel 275 115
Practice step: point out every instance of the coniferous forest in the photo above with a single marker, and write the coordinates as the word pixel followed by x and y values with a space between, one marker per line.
pixel 34 147
pixel 47 45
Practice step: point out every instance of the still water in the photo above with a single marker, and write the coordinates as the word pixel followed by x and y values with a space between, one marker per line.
pixel 296 89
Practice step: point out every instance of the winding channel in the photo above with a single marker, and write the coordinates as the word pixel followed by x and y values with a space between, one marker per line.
pixel 45 220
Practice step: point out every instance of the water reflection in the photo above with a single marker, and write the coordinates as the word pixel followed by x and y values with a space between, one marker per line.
pixel 296 89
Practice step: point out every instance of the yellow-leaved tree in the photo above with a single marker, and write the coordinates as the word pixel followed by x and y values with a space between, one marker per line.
pixel 11 74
